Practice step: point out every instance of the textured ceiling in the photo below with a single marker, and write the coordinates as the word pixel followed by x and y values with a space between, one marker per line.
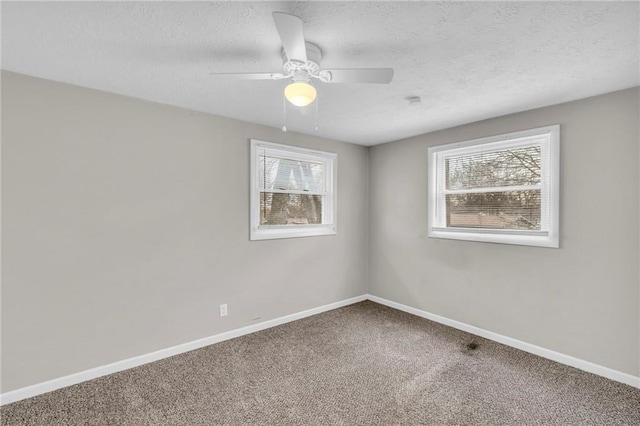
pixel 467 61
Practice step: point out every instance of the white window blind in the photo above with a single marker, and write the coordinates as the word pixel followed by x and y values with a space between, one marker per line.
pixel 292 191
pixel 498 189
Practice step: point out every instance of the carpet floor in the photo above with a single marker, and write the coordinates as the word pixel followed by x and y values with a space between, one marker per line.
pixel 363 364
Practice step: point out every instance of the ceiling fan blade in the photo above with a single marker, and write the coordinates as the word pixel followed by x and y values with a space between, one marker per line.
pixel 290 29
pixel 357 75
pixel 249 75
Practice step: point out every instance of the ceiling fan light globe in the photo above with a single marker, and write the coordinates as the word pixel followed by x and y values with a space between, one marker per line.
pixel 300 94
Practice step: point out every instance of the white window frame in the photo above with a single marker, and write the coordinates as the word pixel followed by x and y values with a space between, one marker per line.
pixel 329 205
pixel 548 236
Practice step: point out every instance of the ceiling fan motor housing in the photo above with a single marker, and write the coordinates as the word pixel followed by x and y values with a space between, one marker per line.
pixel 312 66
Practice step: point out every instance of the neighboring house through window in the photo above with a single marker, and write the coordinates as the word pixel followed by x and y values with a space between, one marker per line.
pixel 501 189
pixel 293 191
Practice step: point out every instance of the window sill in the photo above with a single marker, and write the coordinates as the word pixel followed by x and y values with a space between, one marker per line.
pixel 535 239
pixel 286 231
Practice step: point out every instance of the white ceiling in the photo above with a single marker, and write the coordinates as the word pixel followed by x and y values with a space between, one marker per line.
pixel 467 61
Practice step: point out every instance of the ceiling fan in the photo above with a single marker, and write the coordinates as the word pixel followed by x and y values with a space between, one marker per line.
pixel 301 63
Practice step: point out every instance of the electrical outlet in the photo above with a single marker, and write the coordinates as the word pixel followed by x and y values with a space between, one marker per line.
pixel 223 310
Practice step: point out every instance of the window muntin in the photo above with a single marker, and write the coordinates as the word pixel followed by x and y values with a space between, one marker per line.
pixel 500 189
pixel 292 191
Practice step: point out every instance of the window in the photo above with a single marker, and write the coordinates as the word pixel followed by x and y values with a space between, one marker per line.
pixel 501 189
pixel 292 191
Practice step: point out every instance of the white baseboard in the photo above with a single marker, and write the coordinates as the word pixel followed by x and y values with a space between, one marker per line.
pixel 125 364
pixel 93 373
pixel 590 367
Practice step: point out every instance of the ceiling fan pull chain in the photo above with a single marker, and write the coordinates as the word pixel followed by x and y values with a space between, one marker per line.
pixel 317 102
pixel 284 113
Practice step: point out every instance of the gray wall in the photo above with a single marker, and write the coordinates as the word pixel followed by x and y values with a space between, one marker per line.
pixel 582 299
pixel 125 225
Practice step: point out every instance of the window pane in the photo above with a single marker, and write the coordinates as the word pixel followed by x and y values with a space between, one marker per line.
pixel 508 167
pixel 495 210
pixel 284 174
pixel 290 209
